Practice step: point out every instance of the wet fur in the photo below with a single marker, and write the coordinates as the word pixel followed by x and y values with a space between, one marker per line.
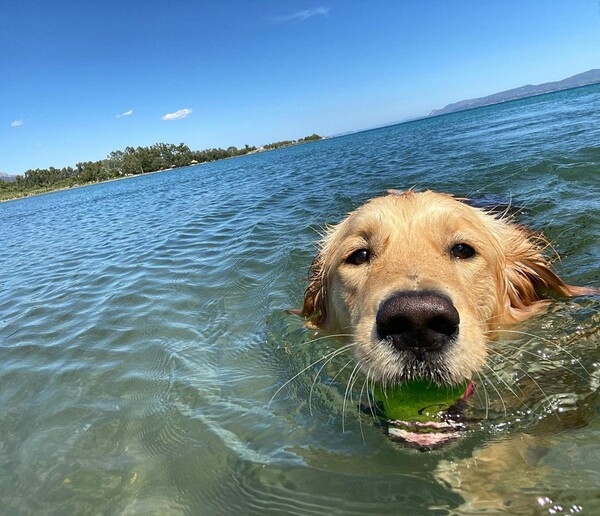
pixel 409 235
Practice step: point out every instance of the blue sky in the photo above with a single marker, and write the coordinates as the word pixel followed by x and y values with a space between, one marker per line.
pixel 79 79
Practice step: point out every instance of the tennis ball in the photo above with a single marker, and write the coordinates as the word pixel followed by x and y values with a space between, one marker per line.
pixel 419 400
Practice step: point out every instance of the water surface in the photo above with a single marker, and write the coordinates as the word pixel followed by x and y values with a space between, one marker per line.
pixel 143 334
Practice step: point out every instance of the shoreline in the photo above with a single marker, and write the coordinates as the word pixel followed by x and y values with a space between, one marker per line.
pixel 85 185
pixel 130 176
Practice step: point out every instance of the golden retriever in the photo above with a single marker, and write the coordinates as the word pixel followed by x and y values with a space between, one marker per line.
pixel 421 280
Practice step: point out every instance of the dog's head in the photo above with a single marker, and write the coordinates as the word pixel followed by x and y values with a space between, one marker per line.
pixel 420 279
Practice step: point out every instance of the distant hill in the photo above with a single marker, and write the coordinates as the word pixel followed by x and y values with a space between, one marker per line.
pixel 6 177
pixel 582 79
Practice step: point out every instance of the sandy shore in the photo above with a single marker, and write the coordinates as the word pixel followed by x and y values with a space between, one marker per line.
pixel 84 185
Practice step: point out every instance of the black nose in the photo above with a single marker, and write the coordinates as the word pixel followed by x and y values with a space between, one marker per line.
pixel 418 321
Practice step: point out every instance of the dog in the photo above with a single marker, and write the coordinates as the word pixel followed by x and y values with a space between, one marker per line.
pixel 423 280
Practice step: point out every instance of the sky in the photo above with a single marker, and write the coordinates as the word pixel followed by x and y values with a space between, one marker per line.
pixel 79 79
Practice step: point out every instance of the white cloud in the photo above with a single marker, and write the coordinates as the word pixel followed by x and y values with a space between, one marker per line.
pixel 16 123
pixel 127 113
pixel 177 115
pixel 303 15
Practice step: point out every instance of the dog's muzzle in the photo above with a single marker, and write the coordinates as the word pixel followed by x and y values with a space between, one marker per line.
pixel 417 321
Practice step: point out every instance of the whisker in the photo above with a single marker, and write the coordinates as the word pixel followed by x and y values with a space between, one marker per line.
pixel 543 339
pixel 485 393
pixel 496 389
pixel 359 404
pixel 543 393
pixel 479 395
pixel 338 373
pixel 513 392
pixel 348 387
pixel 324 337
pixel 525 351
pixel 504 359
pixel 540 389
pixel 371 395
pixel 352 389
pixel 328 358
pixel 503 178
pixel 298 374
pixel 560 349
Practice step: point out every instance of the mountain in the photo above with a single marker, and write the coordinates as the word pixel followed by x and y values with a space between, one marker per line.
pixel 6 177
pixel 582 79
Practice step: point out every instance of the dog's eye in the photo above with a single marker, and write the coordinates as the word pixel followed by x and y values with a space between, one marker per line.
pixel 462 251
pixel 359 257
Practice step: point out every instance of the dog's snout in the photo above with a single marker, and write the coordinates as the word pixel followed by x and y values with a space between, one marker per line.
pixel 418 321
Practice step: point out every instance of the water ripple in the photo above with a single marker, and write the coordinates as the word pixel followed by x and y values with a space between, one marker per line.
pixel 143 333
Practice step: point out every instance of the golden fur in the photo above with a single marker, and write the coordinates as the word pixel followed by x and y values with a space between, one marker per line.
pixel 409 237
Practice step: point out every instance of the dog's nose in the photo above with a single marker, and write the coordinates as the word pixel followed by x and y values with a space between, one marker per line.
pixel 417 321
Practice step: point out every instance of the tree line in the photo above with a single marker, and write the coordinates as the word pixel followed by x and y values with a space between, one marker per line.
pixel 123 163
pixel 287 143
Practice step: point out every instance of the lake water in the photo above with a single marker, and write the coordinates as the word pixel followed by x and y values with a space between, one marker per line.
pixel 143 334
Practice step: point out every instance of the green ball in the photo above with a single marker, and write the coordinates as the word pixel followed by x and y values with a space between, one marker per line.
pixel 418 400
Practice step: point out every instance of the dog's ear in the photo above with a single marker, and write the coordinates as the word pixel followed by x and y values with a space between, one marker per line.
pixel 315 302
pixel 528 279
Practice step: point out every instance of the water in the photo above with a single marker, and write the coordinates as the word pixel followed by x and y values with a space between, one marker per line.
pixel 143 334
